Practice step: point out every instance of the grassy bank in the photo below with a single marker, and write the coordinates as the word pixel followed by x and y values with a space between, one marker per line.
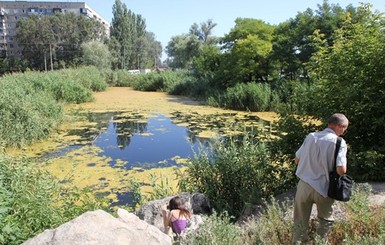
pixel 31 103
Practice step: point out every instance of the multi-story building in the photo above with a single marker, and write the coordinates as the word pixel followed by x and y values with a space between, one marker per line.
pixel 12 11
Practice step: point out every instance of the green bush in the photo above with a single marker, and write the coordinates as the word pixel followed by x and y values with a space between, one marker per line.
pixel 217 229
pixel 89 77
pixel 163 81
pixel 125 79
pixel 236 172
pixel 32 201
pixel 250 96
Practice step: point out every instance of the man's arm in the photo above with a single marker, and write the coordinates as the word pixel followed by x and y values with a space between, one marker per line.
pixel 296 160
pixel 341 170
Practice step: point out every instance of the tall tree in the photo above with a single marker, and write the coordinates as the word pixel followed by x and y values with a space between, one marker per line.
pixel 351 74
pixel 182 49
pixel 48 41
pixel 135 44
pixel 248 46
pixel 291 44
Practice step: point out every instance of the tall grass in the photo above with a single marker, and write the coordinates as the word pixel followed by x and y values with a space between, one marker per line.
pixel 31 102
pixel 32 201
pixel 250 96
pixel 163 81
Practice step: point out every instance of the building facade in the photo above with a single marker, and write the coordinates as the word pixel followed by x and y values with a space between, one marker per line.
pixel 12 11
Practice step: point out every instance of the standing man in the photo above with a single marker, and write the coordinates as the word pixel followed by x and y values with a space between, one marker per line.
pixel 315 160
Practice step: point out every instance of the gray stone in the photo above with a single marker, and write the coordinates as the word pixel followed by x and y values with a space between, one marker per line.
pixel 99 227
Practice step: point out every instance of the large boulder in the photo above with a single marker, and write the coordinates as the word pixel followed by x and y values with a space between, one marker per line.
pixel 99 227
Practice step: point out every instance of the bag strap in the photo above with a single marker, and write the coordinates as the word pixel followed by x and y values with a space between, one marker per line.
pixel 338 144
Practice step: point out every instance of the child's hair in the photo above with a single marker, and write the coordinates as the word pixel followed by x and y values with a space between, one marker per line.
pixel 177 203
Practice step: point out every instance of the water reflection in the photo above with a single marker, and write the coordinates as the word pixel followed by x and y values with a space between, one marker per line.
pixel 154 143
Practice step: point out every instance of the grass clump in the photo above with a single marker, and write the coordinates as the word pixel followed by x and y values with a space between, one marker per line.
pixel 163 81
pixel 250 97
pixel 216 229
pixel 31 200
pixel 31 103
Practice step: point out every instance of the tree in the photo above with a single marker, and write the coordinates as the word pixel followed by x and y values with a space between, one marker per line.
pixel 248 46
pixel 350 79
pixel 292 47
pixel 182 49
pixel 97 54
pixel 137 47
pixel 48 41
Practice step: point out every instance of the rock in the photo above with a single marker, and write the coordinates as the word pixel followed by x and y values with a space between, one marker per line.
pixel 200 204
pixel 197 204
pixel 99 227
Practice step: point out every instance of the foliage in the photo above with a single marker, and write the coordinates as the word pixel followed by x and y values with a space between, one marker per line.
pixel 32 201
pixel 90 77
pixel 96 54
pixel 292 47
pixel 236 172
pixel 250 96
pixel 56 39
pixel 31 102
pixel 273 226
pixel 247 48
pixel 182 49
pixel 365 225
pixel 161 188
pixel 291 131
pixel 163 81
pixel 136 48
pixel 206 65
pixel 26 114
pixel 124 79
pixel 351 74
pixel 216 229
pixel 190 86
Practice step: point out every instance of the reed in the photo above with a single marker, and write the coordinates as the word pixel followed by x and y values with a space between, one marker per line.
pixel 31 103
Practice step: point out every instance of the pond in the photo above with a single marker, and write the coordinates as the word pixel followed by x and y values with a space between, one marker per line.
pixel 111 148
pixel 126 135
pixel 139 142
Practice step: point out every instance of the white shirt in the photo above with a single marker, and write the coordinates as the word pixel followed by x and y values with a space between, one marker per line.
pixel 316 156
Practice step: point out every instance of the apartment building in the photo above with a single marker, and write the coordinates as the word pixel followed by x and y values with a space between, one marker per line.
pixel 12 11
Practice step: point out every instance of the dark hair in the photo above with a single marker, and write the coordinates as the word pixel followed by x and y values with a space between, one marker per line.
pixel 177 203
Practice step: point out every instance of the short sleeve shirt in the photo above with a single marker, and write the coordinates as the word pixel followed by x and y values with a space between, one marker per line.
pixel 316 156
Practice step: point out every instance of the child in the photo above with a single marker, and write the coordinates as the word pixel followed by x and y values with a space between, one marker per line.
pixel 176 218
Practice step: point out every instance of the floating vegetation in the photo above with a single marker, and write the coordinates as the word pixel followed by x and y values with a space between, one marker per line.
pixel 108 142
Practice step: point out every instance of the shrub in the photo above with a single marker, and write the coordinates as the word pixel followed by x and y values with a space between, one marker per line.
pixel 31 102
pixel 217 229
pixel 236 172
pixel 124 79
pixel 163 81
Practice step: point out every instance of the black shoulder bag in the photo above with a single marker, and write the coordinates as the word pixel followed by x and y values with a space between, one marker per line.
pixel 340 187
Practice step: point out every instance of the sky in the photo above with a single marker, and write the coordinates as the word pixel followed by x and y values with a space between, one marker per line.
pixel 168 18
